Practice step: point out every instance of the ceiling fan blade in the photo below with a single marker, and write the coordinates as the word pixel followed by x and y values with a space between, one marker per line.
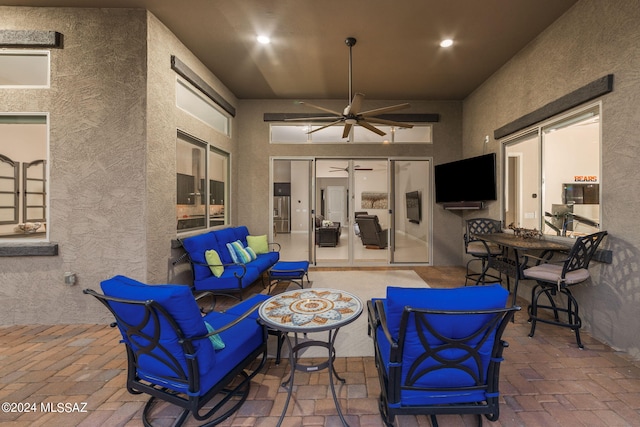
pixel 356 103
pixel 317 107
pixel 385 109
pixel 366 125
pixel 311 119
pixel 389 122
pixel 325 126
pixel 347 130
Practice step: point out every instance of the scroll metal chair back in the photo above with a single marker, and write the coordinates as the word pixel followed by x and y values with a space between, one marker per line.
pixel 441 361
pixel 555 278
pixel 481 250
pixel 170 355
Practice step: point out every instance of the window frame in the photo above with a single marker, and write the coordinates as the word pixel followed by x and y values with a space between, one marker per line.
pixel 538 132
pixel 42 234
pixel 213 216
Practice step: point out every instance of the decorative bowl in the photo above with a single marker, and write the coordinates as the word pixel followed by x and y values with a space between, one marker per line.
pixel 29 227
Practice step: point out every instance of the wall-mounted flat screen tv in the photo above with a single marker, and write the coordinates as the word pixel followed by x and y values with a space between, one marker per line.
pixel 468 180
pixel 414 213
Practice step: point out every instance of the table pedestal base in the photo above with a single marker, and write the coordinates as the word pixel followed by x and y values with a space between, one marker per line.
pixel 294 349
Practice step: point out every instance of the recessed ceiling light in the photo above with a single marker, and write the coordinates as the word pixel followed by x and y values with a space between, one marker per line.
pixel 264 39
pixel 446 43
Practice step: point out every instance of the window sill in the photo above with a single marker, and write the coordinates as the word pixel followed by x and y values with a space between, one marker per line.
pixel 28 249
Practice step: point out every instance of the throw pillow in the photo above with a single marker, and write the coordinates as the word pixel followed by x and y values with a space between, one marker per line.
pixel 233 254
pixel 251 253
pixel 241 253
pixel 259 244
pixel 215 264
pixel 216 341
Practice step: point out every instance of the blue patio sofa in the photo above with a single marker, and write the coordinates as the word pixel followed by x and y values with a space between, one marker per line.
pixel 231 276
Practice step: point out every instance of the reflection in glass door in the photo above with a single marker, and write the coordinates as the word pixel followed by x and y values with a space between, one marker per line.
pixel 370 211
pixel 291 208
pixel 411 219
pixel 332 227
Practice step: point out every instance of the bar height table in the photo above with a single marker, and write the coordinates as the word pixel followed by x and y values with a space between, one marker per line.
pixel 518 246
pixel 311 310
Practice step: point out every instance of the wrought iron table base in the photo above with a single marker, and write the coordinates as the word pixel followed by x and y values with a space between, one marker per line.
pixel 295 366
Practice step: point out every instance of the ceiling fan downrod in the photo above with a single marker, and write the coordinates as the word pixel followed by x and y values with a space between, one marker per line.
pixel 350 41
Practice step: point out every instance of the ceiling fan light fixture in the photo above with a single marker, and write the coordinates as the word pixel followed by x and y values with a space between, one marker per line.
pixel 351 121
pixel 262 39
pixel 446 43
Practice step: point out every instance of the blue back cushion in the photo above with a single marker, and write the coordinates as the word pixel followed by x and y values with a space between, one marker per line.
pixel 196 246
pixel 224 236
pixel 462 299
pixel 241 232
pixel 451 326
pixel 179 302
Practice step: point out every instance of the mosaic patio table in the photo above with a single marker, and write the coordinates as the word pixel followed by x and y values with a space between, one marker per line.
pixel 311 310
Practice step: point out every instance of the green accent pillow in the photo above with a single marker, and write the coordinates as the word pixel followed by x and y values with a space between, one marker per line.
pixel 216 341
pixel 215 264
pixel 259 244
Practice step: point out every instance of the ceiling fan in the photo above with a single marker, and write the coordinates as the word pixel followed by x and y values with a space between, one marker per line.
pixel 355 168
pixel 352 114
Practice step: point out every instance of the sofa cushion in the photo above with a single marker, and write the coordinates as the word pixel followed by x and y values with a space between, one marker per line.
pixel 224 236
pixel 215 264
pixel 197 246
pixel 259 244
pixel 229 281
pixel 241 232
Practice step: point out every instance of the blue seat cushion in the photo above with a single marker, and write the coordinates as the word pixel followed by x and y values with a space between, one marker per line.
pixel 240 341
pixel 228 279
pixel 285 269
pixel 263 262
pixel 179 302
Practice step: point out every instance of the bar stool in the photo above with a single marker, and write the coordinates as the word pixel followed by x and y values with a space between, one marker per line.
pixel 555 278
pixel 481 250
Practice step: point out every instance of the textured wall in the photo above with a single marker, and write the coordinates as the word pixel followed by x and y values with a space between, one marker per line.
pixel 112 158
pixel 593 39
pixel 252 189
pixel 163 120
pixel 97 146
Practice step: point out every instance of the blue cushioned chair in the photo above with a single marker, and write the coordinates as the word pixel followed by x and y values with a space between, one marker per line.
pixel 438 351
pixel 169 351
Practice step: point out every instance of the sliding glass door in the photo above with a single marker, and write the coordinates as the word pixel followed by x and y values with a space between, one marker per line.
pixel 411 223
pixel 352 211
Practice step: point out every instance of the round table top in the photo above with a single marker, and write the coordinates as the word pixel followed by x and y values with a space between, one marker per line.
pixel 308 310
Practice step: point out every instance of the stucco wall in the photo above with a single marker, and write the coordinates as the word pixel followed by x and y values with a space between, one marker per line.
pixel 252 163
pixel 97 147
pixel 593 39
pixel 163 121
pixel 112 158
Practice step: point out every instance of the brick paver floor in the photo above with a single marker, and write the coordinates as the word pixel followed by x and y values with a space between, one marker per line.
pixel 545 381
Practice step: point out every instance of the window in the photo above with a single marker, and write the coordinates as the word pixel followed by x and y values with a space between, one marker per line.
pixel 552 175
pixel 193 102
pixel 201 184
pixel 299 134
pixel 24 69
pixel 23 176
